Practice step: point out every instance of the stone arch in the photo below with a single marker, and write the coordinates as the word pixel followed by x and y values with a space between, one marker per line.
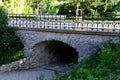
pixel 53 51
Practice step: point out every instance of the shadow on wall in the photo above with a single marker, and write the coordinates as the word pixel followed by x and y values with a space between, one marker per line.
pixel 53 51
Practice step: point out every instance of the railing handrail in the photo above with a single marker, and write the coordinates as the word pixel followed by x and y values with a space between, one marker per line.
pixel 69 22
pixel 68 16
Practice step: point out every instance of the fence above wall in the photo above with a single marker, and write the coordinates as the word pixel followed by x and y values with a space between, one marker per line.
pixel 93 23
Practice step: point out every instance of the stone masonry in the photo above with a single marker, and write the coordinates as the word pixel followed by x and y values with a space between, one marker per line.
pixel 36 54
pixel 35 42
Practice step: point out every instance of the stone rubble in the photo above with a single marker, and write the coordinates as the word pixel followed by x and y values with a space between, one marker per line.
pixel 16 65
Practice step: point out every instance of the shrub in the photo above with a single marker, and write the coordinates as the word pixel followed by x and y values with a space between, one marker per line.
pixel 10 43
pixel 3 16
pixel 100 66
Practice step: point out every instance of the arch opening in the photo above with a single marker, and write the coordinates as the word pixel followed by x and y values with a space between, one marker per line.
pixel 54 51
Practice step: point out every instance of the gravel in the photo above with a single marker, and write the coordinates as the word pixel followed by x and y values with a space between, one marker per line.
pixel 45 72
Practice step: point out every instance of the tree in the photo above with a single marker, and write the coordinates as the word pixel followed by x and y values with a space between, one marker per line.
pixel 67 8
pixel 44 6
pixel 3 16
pixel 16 6
pixel 50 7
pixel 10 43
pixel 94 7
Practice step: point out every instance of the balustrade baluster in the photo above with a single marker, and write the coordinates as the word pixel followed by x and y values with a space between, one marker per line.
pixel 63 22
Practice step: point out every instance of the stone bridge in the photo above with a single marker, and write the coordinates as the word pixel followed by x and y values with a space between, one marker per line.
pixel 63 41
pixel 55 47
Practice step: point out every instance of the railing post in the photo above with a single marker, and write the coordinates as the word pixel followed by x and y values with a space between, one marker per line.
pixel 61 22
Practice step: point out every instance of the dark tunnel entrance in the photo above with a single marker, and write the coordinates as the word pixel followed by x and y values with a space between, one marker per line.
pixel 62 52
pixel 54 51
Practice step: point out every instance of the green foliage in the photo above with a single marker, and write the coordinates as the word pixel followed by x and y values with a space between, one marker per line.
pixel 27 9
pixel 44 6
pixel 10 45
pixel 66 8
pixel 3 16
pixel 17 6
pixel 103 65
pixel 50 7
pixel 103 10
pixel 113 61
pixel 90 7
pixel 97 7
